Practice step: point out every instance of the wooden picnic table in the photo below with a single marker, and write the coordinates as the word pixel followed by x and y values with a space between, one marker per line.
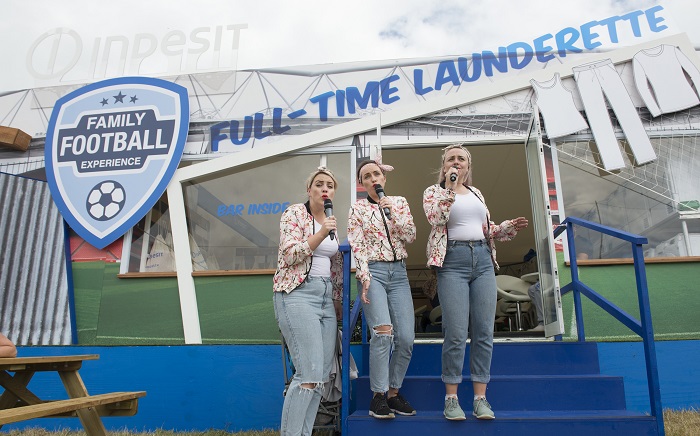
pixel 19 403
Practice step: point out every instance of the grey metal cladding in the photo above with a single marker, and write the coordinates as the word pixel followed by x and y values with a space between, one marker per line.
pixel 34 308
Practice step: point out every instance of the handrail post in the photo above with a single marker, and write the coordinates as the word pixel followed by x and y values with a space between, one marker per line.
pixel 345 339
pixel 644 327
pixel 578 309
pixel 648 331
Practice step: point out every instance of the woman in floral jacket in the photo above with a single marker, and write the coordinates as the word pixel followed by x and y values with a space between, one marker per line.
pixel 461 249
pixel 378 230
pixel 307 296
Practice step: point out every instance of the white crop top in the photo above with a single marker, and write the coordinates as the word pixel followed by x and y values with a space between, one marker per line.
pixel 321 264
pixel 467 217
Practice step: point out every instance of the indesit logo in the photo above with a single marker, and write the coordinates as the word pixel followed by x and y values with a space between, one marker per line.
pixel 60 53
pixel 111 150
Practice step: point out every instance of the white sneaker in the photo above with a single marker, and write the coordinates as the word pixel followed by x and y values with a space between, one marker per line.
pixel 537 328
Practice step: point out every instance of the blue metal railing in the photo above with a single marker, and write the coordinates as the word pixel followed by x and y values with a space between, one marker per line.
pixel 642 327
pixel 349 321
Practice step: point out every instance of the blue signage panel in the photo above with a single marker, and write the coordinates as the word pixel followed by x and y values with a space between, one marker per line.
pixel 111 149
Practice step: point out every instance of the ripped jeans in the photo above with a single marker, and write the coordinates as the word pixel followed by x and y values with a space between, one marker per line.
pixel 306 318
pixel 390 305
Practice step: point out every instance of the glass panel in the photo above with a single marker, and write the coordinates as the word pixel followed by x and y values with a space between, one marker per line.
pixel 151 245
pixel 233 220
pixel 542 222
pixel 658 200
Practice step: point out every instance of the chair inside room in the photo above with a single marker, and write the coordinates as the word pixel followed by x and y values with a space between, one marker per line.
pixel 513 298
pixel 428 320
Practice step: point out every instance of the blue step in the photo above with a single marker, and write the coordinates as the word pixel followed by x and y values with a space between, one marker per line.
pixel 536 388
pixel 569 423
pixel 540 392
pixel 513 358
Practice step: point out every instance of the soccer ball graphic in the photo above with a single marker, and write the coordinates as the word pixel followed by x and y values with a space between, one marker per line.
pixel 106 200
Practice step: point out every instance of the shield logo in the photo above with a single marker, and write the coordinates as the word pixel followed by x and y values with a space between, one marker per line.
pixel 111 149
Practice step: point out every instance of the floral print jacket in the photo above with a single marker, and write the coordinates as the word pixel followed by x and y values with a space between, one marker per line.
pixel 294 256
pixel 375 238
pixel 437 202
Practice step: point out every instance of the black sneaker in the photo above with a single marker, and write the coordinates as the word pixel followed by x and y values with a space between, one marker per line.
pixel 379 409
pixel 398 404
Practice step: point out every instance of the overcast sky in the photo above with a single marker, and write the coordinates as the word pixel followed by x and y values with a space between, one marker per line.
pixel 303 32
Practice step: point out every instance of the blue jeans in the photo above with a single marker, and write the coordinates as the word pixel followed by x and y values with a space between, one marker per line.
pixel 390 304
pixel 467 291
pixel 306 318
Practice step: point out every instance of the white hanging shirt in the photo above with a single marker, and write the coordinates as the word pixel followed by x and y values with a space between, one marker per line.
pixel 556 104
pixel 661 76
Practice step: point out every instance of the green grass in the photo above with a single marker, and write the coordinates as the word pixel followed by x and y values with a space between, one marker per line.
pixel 38 431
pixel 676 423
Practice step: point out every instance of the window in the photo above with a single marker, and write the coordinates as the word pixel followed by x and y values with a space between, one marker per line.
pixel 233 220
pixel 151 244
pixel 648 200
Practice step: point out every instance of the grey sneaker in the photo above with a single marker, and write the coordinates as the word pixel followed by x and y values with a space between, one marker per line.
pixel 482 409
pixel 452 410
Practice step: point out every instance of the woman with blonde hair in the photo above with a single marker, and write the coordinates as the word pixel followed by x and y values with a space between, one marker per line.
pixel 461 249
pixel 307 296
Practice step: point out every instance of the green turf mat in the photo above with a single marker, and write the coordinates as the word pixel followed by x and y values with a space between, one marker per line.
pixel 87 283
pixel 138 311
pixel 673 297
pixel 238 310
pixel 141 311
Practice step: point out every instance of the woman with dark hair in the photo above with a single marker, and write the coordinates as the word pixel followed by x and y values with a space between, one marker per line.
pixel 379 227
pixel 307 296
pixel 461 248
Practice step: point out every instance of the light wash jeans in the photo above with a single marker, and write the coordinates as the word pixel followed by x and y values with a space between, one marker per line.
pixel 390 303
pixel 467 291
pixel 306 318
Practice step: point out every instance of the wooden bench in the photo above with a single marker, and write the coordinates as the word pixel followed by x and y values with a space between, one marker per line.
pixel 112 404
pixel 19 403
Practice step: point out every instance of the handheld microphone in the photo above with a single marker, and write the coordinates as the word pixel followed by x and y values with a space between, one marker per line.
pixel 380 193
pixel 328 210
pixel 453 177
